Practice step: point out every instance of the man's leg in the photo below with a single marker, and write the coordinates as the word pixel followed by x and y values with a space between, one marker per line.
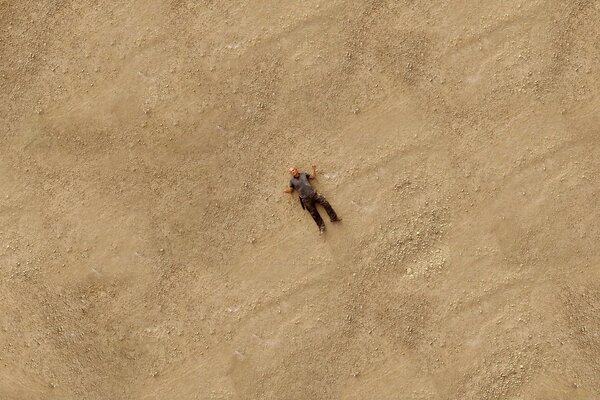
pixel 323 201
pixel 312 209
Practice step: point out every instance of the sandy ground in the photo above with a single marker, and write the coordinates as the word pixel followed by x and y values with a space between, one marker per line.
pixel 148 252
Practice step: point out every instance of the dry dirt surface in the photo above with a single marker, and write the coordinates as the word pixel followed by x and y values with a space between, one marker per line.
pixel 147 250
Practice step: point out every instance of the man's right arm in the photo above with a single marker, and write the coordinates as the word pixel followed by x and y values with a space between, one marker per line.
pixel 290 187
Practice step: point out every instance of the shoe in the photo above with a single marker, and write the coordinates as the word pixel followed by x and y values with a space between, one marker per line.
pixel 336 220
pixel 321 230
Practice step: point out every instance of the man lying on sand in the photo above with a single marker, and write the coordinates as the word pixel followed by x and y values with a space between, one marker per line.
pixel 309 197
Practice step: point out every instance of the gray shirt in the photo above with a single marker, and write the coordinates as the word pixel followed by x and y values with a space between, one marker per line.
pixel 302 185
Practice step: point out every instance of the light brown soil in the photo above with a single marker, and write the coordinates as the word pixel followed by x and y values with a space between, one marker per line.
pixel 148 251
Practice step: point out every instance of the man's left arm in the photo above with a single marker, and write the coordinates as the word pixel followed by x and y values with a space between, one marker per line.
pixel 314 172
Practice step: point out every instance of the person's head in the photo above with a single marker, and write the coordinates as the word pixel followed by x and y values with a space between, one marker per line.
pixel 294 171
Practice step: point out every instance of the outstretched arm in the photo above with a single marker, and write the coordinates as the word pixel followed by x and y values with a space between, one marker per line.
pixel 288 189
pixel 314 172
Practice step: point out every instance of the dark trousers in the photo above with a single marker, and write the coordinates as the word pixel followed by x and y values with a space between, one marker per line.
pixel 311 207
